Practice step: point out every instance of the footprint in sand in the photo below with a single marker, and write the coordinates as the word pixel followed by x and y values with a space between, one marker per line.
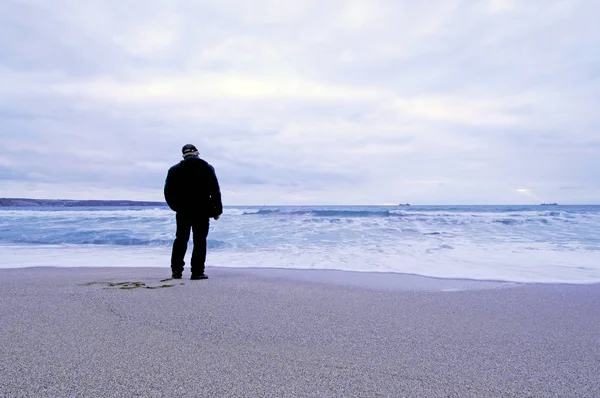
pixel 129 285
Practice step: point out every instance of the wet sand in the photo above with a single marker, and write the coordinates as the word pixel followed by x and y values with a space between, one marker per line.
pixel 127 332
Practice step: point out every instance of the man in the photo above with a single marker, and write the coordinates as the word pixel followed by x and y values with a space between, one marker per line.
pixel 192 191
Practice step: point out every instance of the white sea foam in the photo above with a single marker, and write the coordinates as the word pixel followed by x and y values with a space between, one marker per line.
pixel 491 262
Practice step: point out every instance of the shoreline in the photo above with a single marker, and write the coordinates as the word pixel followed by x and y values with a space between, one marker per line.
pixel 74 256
pixel 381 280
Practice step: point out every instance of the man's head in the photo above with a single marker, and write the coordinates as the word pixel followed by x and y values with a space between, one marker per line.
pixel 189 150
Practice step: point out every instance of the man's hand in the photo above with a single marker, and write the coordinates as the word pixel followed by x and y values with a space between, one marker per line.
pixel 216 217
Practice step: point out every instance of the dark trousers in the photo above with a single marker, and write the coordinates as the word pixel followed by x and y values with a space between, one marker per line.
pixel 199 226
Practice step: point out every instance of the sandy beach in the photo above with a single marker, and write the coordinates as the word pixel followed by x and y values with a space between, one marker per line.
pixel 127 332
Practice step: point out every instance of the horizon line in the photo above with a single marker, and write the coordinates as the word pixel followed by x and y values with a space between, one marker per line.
pixel 303 204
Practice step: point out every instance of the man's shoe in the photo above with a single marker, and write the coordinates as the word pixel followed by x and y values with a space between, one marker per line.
pixel 176 275
pixel 198 277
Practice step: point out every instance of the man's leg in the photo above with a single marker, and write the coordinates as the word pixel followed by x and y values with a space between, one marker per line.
pixel 182 237
pixel 200 229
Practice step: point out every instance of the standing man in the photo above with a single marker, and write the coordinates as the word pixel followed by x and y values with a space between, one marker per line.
pixel 192 191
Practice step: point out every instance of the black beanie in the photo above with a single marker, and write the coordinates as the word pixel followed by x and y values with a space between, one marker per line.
pixel 189 149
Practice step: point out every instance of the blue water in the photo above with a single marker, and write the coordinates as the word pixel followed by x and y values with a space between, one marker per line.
pixel 512 243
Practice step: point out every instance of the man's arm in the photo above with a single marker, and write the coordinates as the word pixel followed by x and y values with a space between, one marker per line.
pixel 169 191
pixel 215 193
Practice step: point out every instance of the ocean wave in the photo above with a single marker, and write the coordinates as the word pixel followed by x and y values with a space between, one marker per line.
pixel 269 226
pixel 442 217
pixel 88 238
pixel 508 221
pixel 324 213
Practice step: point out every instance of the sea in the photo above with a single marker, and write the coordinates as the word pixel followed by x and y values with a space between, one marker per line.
pixel 527 244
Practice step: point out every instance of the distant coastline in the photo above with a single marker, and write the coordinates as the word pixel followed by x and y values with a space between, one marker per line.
pixel 25 202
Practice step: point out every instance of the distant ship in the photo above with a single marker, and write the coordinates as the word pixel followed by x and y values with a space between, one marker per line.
pixel 549 204
pixel 404 204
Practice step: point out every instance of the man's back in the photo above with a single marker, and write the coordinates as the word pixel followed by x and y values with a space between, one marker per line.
pixel 192 188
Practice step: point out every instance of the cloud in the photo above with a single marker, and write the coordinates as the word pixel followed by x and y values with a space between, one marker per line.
pixel 302 102
pixel 151 38
pixel 215 87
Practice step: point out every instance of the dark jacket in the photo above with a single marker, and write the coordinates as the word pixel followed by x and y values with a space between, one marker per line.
pixel 192 188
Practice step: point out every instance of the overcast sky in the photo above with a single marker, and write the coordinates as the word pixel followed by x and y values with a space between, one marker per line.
pixel 303 101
